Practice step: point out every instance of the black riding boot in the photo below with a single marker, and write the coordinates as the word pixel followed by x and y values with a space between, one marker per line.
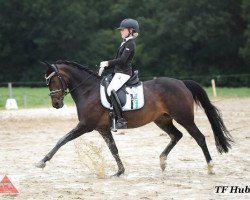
pixel 120 123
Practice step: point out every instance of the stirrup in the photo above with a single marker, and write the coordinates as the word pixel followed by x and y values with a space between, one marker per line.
pixel 113 125
pixel 121 124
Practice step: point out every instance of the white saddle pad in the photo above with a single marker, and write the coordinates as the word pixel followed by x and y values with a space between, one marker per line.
pixel 134 98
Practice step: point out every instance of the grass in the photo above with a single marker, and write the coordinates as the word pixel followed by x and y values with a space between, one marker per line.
pixel 229 92
pixel 38 97
pixel 30 97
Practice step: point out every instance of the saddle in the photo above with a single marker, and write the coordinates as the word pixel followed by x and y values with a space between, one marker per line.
pixel 131 94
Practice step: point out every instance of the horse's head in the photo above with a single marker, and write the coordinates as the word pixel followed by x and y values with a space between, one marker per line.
pixel 57 85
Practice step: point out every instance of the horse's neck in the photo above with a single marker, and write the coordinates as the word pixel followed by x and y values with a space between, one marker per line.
pixel 82 84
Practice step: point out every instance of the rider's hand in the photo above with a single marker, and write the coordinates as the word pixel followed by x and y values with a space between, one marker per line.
pixel 104 64
pixel 100 71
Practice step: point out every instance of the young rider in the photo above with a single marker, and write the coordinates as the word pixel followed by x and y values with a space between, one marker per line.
pixel 129 29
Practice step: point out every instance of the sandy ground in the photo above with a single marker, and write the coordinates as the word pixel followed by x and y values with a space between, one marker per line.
pixel 27 135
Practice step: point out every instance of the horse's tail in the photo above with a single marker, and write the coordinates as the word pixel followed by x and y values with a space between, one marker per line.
pixel 221 134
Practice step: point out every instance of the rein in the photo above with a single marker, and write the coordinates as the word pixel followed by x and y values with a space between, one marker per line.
pixel 69 91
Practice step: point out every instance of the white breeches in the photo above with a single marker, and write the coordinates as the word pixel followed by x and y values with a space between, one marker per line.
pixel 117 82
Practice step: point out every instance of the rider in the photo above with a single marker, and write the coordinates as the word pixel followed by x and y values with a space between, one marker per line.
pixel 129 29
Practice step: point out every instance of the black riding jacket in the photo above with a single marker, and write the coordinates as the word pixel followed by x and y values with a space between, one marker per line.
pixel 123 59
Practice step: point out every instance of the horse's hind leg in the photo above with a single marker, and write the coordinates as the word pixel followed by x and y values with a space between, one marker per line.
pixel 166 124
pixel 200 139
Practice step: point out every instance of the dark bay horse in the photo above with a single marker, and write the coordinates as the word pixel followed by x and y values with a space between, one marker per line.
pixel 166 99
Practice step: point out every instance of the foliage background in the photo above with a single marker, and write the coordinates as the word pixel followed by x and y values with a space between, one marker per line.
pixel 184 39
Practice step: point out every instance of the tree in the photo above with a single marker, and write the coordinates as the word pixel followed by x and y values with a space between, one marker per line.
pixel 245 51
pixel 177 38
pixel 42 30
pixel 197 36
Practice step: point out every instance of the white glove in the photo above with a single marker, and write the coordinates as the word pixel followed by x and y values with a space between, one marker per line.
pixel 101 71
pixel 104 64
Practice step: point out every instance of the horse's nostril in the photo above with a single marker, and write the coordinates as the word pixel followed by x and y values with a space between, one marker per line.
pixel 58 104
pixel 55 104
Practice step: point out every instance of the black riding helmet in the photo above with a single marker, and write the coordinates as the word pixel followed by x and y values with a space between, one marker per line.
pixel 129 23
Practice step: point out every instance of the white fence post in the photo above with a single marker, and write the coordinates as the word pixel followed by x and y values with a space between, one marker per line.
pixel 214 87
pixel 11 103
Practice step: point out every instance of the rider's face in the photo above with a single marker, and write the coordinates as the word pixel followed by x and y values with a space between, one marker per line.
pixel 124 33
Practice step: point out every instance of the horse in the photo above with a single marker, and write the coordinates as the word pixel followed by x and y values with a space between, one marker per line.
pixel 166 99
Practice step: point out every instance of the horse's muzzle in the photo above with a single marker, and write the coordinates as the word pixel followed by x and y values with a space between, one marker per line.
pixel 58 103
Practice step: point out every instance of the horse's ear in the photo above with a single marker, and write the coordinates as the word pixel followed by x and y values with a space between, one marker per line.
pixel 45 63
pixel 51 67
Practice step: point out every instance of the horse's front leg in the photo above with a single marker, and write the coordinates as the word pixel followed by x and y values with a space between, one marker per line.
pixel 76 132
pixel 107 136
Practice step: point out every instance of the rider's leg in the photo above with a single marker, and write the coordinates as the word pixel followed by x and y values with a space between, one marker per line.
pixel 117 82
pixel 121 123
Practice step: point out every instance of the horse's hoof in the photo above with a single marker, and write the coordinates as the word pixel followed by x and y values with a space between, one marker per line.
pixel 210 168
pixel 211 172
pixel 119 173
pixel 163 162
pixel 40 164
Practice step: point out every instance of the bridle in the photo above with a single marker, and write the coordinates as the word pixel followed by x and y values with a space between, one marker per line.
pixel 64 88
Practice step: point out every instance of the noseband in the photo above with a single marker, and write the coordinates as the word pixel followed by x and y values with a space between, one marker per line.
pixel 63 84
